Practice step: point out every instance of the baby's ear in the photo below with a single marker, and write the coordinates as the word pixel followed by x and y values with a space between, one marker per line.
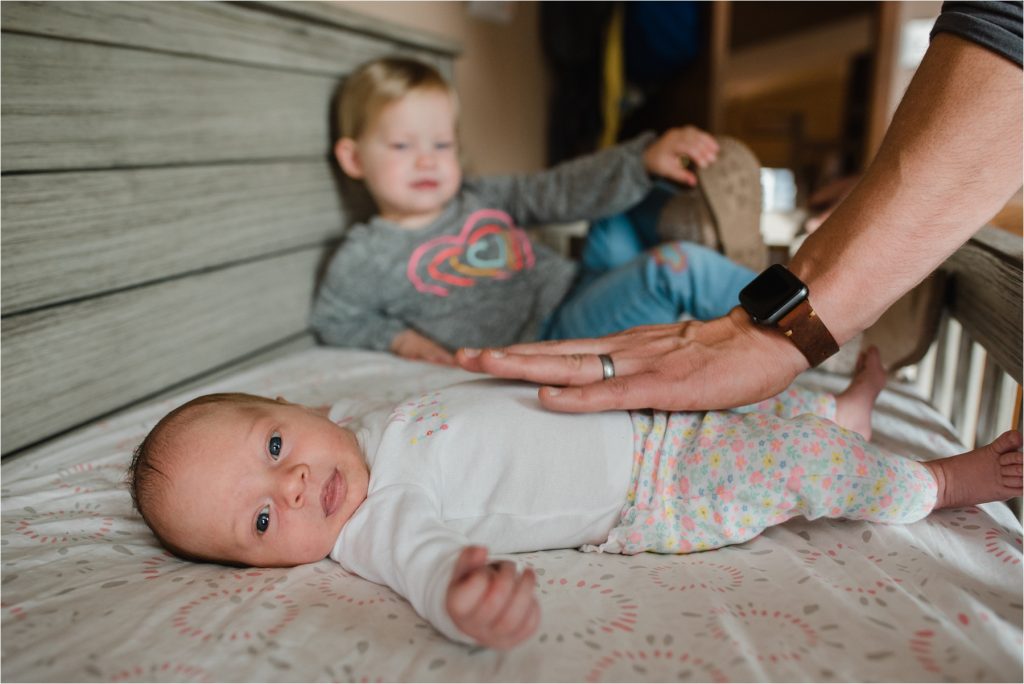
pixel 346 151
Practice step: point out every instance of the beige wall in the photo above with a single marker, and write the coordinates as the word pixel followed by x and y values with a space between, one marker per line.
pixel 499 76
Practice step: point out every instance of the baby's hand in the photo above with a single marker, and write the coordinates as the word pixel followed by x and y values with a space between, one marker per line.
pixel 491 602
pixel 669 155
pixel 409 344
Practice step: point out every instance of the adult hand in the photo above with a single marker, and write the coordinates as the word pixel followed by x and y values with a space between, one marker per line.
pixel 491 602
pixel 719 364
pixel 670 154
pixel 409 344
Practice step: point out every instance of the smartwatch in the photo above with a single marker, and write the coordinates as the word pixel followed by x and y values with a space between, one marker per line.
pixel 777 298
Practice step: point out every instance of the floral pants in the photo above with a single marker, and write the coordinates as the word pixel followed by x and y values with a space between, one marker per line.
pixel 706 480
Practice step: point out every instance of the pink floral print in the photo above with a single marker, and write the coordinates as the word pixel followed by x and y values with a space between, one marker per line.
pixel 705 480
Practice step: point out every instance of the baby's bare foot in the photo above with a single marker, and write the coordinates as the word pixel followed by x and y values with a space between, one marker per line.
pixel 855 404
pixel 989 473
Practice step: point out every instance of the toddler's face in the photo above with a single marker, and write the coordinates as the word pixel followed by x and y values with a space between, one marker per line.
pixel 267 484
pixel 408 157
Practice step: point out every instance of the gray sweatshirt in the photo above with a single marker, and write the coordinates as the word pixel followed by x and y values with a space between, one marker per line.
pixel 473 277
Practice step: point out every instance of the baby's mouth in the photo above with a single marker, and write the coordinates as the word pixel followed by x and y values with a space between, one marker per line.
pixel 332 494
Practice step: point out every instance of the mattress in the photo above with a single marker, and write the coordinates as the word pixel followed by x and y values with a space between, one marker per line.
pixel 88 595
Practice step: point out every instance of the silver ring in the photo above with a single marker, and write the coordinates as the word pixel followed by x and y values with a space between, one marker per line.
pixel 607 367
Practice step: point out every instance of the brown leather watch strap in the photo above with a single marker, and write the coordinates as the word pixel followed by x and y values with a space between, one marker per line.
pixel 804 329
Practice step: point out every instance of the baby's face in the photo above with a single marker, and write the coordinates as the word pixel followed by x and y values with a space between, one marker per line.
pixel 268 484
pixel 409 158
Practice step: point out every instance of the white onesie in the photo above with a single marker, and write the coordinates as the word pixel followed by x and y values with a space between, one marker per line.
pixel 478 463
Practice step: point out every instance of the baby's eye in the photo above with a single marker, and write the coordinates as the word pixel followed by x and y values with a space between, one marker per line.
pixel 263 520
pixel 444 145
pixel 398 146
pixel 274 446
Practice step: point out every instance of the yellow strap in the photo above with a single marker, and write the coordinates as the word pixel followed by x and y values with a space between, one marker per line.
pixel 614 70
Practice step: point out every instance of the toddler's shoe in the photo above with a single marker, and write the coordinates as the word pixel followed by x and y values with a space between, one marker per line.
pixel 731 188
pixel 686 217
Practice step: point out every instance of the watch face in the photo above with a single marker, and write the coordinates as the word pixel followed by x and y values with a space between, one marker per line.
pixel 772 295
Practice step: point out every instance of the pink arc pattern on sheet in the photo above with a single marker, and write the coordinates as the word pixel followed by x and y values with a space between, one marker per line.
pixel 489 246
pixel 163 671
pixel 793 636
pixel 623 609
pixel 52 527
pixel 621 666
pixel 673 578
pixel 193 619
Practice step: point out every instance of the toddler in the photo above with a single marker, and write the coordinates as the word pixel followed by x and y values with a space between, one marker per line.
pixel 445 263
pixel 407 497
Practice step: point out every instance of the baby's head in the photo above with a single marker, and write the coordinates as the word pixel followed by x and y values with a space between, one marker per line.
pixel 397 119
pixel 246 480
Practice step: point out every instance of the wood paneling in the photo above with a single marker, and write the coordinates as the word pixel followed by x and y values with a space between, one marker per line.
pixel 69 235
pixel 338 16
pixel 168 191
pixel 260 33
pixel 986 294
pixel 67 364
pixel 69 105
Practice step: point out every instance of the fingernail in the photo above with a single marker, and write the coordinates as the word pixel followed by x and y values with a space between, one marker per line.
pixel 497 354
pixel 470 352
pixel 554 391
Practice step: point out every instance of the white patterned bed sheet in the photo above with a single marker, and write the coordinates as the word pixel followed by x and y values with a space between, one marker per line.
pixel 87 595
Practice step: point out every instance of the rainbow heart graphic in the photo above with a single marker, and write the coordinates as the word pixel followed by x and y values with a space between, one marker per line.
pixel 489 246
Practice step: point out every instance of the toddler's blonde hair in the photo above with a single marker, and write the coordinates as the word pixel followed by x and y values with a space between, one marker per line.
pixel 375 85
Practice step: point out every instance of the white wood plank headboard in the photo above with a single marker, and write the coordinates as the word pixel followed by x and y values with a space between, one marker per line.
pixel 168 191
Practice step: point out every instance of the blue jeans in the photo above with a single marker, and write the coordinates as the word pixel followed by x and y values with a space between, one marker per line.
pixel 617 240
pixel 627 281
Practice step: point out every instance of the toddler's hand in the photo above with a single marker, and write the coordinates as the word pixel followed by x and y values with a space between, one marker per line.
pixel 668 155
pixel 409 344
pixel 491 602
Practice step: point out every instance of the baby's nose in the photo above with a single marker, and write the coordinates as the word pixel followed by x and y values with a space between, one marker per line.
pixel 294 485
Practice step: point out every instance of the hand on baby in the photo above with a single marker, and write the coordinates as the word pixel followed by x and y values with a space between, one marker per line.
pixel 409 344
pixel 665 157
pixel 491 602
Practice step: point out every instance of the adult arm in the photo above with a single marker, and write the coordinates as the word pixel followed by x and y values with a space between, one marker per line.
pixel 950 160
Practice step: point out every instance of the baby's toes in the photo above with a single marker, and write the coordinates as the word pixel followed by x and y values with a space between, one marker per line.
pixel 1015 484
pixel 1011 469
pixel 1012 459
pixel 1006 442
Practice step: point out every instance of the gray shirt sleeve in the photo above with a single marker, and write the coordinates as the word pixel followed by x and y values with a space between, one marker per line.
pixel 345 313
pixel 587 188
pixel 992 25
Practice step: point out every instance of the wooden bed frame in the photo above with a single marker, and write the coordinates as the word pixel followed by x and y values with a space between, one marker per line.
pixel 972 373
pixel 168 196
